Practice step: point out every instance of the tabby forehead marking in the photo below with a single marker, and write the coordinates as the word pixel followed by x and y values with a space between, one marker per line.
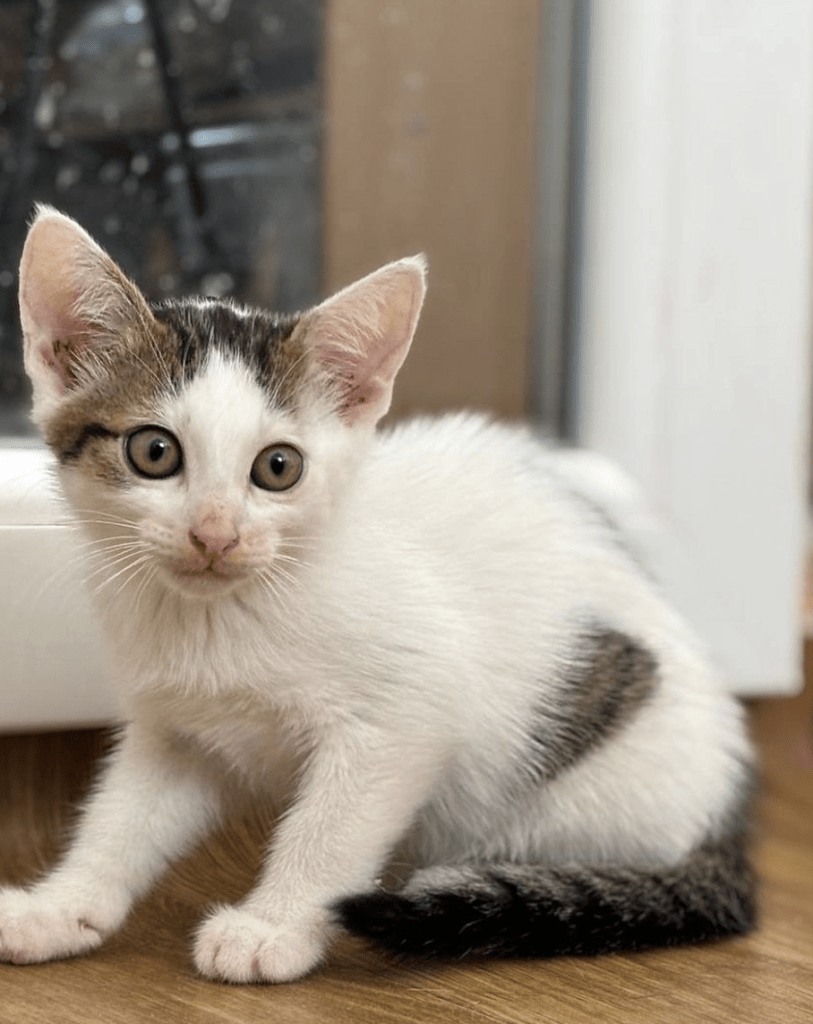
pixel 265 342
pixel 610 679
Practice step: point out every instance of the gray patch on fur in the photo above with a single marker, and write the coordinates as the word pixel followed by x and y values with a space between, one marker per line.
pixel 610 678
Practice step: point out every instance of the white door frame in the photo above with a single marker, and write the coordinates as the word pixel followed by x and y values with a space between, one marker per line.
pixel 694 368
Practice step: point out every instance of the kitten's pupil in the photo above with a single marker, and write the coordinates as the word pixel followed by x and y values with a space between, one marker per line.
pixel 157 450
pixel 278 464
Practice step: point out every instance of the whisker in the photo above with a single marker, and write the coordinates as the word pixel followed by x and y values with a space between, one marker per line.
pixel 102 521
pixel 111 579
pixel 102 542
pixel 125 560
pixel 113 557
pixel 138 567
pixel 148 578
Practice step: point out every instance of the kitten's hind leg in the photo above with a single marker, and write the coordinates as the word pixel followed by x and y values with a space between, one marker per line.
pixel 150 805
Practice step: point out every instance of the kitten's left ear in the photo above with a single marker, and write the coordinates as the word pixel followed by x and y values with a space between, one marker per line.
pixel 74 300
pixel 360 337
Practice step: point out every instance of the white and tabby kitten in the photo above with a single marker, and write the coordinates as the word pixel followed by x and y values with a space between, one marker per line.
pixel 435 628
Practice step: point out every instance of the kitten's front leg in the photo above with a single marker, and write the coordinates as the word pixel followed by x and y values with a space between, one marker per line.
pixel 150 805
pixel 358 796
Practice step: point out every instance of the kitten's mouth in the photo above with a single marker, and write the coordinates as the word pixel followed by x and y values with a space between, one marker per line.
pixel 202 580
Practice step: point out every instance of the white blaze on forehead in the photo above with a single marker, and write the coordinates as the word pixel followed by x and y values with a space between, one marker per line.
pixel 223 419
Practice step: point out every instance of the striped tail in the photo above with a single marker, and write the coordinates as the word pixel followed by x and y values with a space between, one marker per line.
pixel 519 910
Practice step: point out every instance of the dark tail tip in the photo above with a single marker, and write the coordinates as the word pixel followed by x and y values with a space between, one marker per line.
pixel 515 911
pixel 440 924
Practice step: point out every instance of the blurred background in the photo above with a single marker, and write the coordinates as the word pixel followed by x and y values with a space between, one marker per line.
pixel 614 196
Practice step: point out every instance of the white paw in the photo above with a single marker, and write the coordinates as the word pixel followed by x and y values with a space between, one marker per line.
pixel 36 926
pixel 235 945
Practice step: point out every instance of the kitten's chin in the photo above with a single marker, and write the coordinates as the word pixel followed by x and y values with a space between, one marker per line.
pixel 204 584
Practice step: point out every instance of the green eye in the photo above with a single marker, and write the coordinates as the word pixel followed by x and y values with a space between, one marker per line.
pixel 277 468
pixel 153 452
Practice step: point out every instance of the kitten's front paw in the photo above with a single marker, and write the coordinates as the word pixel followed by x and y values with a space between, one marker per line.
pixel 235 945
pixel 36 926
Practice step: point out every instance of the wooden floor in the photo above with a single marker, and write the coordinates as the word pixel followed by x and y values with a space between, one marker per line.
pixel 145 974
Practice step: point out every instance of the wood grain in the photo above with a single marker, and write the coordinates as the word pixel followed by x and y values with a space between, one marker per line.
pixel 145 973
pixel 429 146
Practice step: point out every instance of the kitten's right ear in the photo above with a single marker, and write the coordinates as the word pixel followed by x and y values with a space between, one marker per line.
pixel 73 299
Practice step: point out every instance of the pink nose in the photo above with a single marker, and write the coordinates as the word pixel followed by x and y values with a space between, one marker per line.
pixel 213 543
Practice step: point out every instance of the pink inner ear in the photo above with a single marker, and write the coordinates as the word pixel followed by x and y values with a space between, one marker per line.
pixel 58 356
pixel 362 335
pixel 50 289
pixel 61 331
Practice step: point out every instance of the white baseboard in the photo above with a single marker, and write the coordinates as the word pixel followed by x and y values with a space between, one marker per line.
pixel 53 672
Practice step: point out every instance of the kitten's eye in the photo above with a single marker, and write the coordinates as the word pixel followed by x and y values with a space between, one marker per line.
pixel 277 468
pixel 153 452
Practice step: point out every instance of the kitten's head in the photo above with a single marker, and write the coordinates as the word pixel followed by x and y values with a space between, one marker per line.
pixel 203 444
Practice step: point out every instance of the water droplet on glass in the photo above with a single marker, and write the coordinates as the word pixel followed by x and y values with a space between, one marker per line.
pixel 6 279
pixel 111 114
pixel 175 174
pixel 215 10
pixel 112 224
pixel 67 176
pixel 56 140
pixel 170 143
pixel 273 25
pixel 140 163
pixel 145 58
pixel 45 112
pixel 111 172
pixel 130 185
pixel 187 22
pixel 133 13
pixel 167 282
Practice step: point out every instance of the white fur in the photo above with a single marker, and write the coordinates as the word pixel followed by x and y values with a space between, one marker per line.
pixel 388 628
pixel 440 582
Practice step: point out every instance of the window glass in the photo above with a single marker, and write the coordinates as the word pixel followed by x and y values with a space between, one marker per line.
pixel 183 134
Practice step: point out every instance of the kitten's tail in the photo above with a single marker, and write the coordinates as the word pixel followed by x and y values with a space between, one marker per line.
pixel 529 911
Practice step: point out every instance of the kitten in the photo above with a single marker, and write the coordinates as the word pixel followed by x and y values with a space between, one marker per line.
pixel 436 629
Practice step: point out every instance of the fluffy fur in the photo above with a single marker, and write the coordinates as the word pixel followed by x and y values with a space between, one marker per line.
pixel 437 638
